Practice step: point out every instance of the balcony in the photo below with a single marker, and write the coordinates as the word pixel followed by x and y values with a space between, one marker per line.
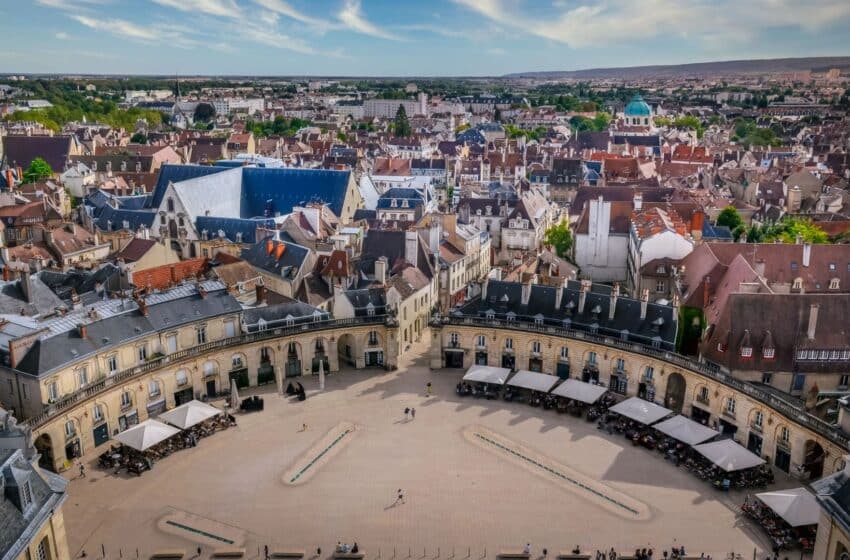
pixel 704 400
pixel 728 413
pixel 756 427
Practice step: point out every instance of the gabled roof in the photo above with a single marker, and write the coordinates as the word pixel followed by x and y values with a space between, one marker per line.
pixel 21 150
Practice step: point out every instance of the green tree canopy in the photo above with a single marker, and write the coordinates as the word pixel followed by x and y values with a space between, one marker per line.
pixel 139 138
pixel 204 112
pixel 787 231
pixel 37 170
pixel 560 238
pixel 401 124
pixel 730 218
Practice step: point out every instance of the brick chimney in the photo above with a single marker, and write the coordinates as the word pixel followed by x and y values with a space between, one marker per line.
pixel 82 330
pixel 260 291
pixel 813 320
pixel 143 306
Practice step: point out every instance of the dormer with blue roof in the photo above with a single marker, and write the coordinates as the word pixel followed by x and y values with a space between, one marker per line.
pixel 638 112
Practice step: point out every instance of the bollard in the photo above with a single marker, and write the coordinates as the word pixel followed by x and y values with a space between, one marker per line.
pixel 103 551
pixel 469 552
pixel 137 554
pixel 120 553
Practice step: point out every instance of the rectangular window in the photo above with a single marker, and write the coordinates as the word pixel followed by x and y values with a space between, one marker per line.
pixel 70 430
pixel 565 352
pixel 842 381
pixel 660 287
pixel 201 335
pixel 535 347
pixel 758 419
pixel 509 343
pixel 171 343
pixel 769 353
pixel 126 399
pixel 153 388
pixel 482 342
pixel 229 329
pixel 730 406
pixel 591 357
pixel 181 377
pixel 52 391
pixel 746 352
pixel 142 353
pixel 97 413
pixel 621 364
pixel 112 364
pixel 83 376
pixel 650 373
pixel 784 434
pixel 703 394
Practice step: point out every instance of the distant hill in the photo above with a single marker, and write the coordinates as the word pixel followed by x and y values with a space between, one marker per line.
pixel 728 67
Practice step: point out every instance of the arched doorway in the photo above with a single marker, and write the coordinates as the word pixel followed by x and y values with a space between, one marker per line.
pixel 320 355
pixel 293 360
pixel 172 229
pixel 813 459
pixel 674 396
pixel 44 446
pixel 265 373
pixel 347 348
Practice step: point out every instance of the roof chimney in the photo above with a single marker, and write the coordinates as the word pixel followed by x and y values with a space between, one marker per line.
pixel 26 286
pixel 269 246
pixel 813 320
pixel 644 303
pixel 807 253
pixel 612 306
pixel 411 247
pixel 697 221
pixel 202 292
pixel 381 265
pixel 260 290
pixel 582 295
pixel 526 292
pixel 82 330
pixel 638 202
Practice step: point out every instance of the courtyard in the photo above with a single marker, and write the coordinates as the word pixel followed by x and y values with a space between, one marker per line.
pixel 269 481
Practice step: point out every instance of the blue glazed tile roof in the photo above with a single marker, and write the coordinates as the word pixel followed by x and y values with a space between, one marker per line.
pixel 267 191
pixel 135 218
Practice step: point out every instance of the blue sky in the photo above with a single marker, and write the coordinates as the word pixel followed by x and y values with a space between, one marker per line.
pixel 406 37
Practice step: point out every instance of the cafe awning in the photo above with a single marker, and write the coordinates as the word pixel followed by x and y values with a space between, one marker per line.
pixel 579 391
pixel 487 374
pixel 685 430
pixel 728 455
pixel 640 410
pixel 796 506
pixel 533 380
pixel 188 414
pixel 147 434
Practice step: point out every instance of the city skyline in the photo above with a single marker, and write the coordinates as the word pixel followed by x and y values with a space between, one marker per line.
pixel 446 38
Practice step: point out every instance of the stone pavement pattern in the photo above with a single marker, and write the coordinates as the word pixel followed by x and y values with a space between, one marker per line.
pixel 457 494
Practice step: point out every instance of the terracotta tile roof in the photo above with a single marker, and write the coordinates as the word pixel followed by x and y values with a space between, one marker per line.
pixel 657 220
pixel 161 277
pixel 135 249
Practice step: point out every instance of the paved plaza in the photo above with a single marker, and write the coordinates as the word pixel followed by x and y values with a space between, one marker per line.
pixel 460 497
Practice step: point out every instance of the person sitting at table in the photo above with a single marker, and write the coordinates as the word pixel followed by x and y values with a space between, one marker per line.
pixel 355 549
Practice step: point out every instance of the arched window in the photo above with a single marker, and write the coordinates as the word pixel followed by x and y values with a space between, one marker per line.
pixel 170 204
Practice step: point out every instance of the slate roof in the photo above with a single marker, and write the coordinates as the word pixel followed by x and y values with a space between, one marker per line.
pixel 505 297
pixel 232 226
pixel 360 300
pixel 21 150
pixel 283 255
pixel 111 219
pixel 284 188
pixel 276 315
pixel 170 173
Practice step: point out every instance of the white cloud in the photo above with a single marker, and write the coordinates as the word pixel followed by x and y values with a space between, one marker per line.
pixel 119 27
pixel 221 8
pixel 288 11
pixel 622 21
pixel 497 51
pixel 62 36
pixel 352 18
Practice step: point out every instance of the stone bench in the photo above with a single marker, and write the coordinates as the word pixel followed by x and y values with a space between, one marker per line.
pixel 171 553
pixel 232 552
pixel 286 553
pixel 349 555
pixel 518 553
pixel 570 556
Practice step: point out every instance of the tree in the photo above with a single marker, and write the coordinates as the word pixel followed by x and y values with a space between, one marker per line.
pixel 139 138
pixel 560 238
pixel 204 112
pixel 401 124
pixel 730 218
pixel 37 170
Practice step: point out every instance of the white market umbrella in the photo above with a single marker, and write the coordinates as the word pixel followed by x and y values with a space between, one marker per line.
pixel 188 414
pixel 487 374
pixel 532 380
pixel 579 391
pixel 686 430
pixel 796 506
pixel 147 434
pixel 641 411
pixel 729 455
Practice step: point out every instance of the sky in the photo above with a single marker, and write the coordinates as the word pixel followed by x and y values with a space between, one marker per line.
pixel 405 37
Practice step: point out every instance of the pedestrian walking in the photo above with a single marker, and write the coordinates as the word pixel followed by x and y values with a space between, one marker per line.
pixel 406 413
pixel 527 548
pixel 400 497
pixel 82 470
pixel 303 427
pixel 428 389
pixel 266 550
pixel 413 414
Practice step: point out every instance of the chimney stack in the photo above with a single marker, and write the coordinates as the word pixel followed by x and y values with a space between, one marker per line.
pixel 582 295
pixel 260 290
pixel 526 292
pixel 813 320
pixel 612 306
pixel 644 303
pixel 807 254
pixel 697 221
pixel 484 288
pixel 638 202
pixel 82 330
pixel 143 306
pixel 411 247
pixel 381 265
pixel 26 286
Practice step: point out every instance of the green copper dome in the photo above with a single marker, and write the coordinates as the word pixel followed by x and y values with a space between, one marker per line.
pixel 637 107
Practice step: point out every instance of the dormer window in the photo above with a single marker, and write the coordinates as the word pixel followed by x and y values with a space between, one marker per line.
pixel 489 210
pixel 511 316
pixel 721 347
pixel 834 283
pixel 538 319
pixel 769 353
pixel 798 284
pixel 26 495
pixel 490 314
pixel 405 204
pixel 370 310
pixel 393 203
pixel 746 351
pixel 290 320
pixel 478 212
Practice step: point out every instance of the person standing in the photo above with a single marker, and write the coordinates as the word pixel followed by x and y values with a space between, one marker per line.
pixel 428 389
pixel 400 497
pixel 82 470
pixel 413 414
pixel 406 412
